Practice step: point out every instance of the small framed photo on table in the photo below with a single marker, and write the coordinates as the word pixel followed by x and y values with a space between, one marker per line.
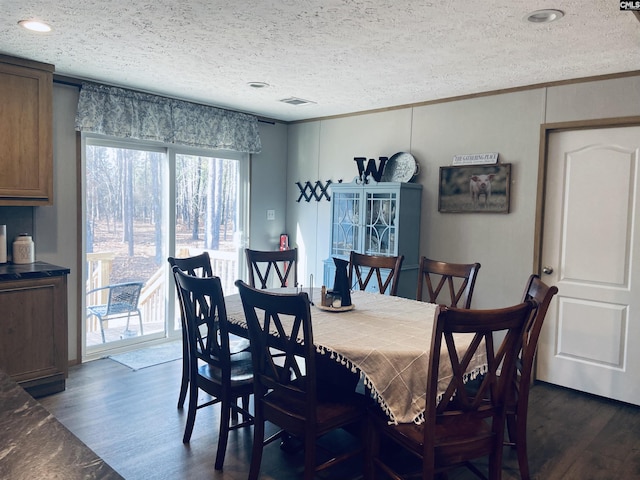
pixel 475 189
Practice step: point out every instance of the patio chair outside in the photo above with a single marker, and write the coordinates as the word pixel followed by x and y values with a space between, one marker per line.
pixel 122 301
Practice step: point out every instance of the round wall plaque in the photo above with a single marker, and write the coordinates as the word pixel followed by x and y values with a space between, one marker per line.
pixel 401 167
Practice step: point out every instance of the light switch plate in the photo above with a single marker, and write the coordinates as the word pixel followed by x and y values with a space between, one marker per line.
pixel 271 214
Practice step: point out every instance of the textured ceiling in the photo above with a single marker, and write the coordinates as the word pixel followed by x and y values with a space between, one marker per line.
pixel 345 55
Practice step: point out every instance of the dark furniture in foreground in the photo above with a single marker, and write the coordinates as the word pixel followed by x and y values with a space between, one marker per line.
pixel 224 376
pixel 33 326
pixel 285 377
pixel 518 403
pixel 198 266
pixel 459 426
pixel 33 444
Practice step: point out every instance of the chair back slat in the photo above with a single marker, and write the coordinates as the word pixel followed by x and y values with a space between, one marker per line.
pixel 385 269
pixel 455 279
pixel 196 266
pixel 205 319
pixel 283 263
pixel 542 293
pixel 281 343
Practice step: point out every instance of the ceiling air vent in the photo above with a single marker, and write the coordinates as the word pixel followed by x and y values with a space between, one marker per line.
pixel 296 101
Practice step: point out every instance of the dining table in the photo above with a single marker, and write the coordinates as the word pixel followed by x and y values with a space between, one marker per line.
pixel 385 339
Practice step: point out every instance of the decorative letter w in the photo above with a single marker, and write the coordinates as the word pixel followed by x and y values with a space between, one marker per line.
pixel 375 172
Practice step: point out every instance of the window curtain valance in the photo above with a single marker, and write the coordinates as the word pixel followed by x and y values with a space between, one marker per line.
pixel 126 113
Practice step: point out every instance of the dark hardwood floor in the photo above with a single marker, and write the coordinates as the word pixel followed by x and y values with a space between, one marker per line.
pixel 130 419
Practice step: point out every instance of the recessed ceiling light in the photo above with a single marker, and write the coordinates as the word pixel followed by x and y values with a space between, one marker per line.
pixel 544 16
pixel 258 84
pixel 296 101
pixel 35 26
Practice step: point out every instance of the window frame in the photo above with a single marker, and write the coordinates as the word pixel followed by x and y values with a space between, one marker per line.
pixel 168 169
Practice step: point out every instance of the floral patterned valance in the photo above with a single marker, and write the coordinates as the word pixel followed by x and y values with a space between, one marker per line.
pixel 126 113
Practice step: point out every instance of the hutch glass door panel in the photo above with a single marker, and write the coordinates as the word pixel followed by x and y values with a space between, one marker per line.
pixel 346 224
pixel 380 223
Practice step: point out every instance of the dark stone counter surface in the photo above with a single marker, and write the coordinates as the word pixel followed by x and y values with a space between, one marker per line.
pixel 34 445
pixel 10 271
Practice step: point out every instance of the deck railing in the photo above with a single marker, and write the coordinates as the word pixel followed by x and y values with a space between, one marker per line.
pixel 152 297
pixel 151 302
pixel 99 274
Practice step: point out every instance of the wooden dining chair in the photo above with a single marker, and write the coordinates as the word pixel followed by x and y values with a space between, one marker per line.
pixel 518 402
pixel 362 268
pixel 211 368
pixel 282 263
pixel 458 427
pixel 285 379
pixel 198 266
pixel 458 278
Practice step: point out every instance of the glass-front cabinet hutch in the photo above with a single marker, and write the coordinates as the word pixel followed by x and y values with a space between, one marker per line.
pixel 376 219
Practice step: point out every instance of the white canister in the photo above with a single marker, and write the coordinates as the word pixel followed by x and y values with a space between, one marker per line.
pixel 23 249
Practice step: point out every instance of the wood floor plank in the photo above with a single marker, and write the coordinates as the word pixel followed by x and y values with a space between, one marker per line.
pixel 593 466
pixel 631 465
pixel 130 419
pixel 619 437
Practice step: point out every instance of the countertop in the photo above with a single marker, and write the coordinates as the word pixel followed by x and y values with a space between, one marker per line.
pixel 11 271
pixel 33 444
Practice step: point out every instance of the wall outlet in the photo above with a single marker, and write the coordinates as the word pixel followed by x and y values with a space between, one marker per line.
pixel 271 214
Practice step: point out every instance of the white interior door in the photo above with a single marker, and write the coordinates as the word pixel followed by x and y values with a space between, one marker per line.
pixel 590 338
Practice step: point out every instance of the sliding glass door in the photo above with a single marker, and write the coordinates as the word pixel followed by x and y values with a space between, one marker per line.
pixel 124 247
pixel 143 204
pixel 209 214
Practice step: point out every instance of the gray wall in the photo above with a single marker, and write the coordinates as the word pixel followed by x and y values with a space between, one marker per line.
pixel 18 220
pixel 268 187
pixel 507 123
pixel 56 232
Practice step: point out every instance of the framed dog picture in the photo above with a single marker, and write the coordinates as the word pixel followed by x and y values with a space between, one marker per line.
pixel 477 189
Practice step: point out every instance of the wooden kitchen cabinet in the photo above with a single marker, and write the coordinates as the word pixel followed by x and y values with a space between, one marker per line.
pixel 26 145
pixel 33 326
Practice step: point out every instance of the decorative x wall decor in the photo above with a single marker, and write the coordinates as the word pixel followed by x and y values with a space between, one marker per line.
pixel 309 191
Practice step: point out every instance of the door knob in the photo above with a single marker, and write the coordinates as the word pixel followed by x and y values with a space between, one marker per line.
pixel 547 270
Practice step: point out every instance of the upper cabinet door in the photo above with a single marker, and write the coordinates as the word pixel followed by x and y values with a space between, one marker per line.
pixel 380 238
pixel 368 219
pixel 346 222
pixel 26 151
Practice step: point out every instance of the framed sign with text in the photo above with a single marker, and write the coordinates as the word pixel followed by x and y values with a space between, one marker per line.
pixel 475 159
